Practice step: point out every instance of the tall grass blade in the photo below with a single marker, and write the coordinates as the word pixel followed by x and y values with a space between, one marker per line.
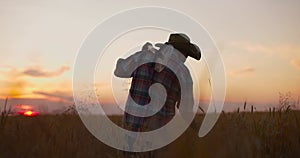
pixel 201 109
pixel 3 117
pixel 245 104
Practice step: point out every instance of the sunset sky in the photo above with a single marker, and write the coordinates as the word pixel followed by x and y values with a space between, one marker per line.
pixel 258 40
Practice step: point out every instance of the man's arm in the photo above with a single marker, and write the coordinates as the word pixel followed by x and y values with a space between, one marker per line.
pixel 122 68
pixel 125 67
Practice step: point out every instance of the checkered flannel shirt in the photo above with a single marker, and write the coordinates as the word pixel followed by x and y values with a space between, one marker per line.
pixel 169 80
pixel 140 84
pixel 142 78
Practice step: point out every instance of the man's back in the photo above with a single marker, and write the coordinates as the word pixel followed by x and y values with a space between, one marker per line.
pixel 140 84
pixel 139 92
pixel 169 80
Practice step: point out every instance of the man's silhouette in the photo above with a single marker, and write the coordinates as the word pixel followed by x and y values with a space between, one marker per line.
pixel 139 90
pixel 149 73
pixel 166 77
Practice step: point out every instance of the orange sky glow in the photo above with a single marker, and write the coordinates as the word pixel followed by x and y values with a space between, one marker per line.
pixel 260 50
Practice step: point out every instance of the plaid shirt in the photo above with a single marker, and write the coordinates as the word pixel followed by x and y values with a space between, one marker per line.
pixel 140 84
pixel 144 76
pixel 169 80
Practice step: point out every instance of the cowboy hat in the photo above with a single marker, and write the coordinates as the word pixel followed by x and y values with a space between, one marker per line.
pixel 182 43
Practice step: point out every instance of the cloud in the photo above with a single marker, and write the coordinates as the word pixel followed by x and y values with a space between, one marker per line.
pixel 296 63
pixel 287 52
pixel 13 83
pixel 253 47
pixel 245 70
pixel 13 88
pixel 59 95
pixel 284 50
pixel 11 72
pixel 39 72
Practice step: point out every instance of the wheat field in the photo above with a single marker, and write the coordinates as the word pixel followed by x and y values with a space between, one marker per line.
pixel 239 134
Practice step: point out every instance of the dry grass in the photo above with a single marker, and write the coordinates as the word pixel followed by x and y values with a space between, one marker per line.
pixel 235 135
pixel 240 134
pixel 3 117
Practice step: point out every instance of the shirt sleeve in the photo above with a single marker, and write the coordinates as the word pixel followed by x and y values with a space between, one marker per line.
pixel 125 67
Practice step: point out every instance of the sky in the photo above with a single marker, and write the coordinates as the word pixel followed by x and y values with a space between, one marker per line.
pixel 259 42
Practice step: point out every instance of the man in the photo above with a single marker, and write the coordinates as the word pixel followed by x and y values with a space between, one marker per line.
pixel 147 74
pixel 163 75
pixel 140 68
pixel 174 52
pixel 140 84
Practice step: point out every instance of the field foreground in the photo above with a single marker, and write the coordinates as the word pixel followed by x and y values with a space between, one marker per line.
pixel 272 134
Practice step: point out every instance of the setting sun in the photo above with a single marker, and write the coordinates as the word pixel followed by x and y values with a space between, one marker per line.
pixel 30 113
